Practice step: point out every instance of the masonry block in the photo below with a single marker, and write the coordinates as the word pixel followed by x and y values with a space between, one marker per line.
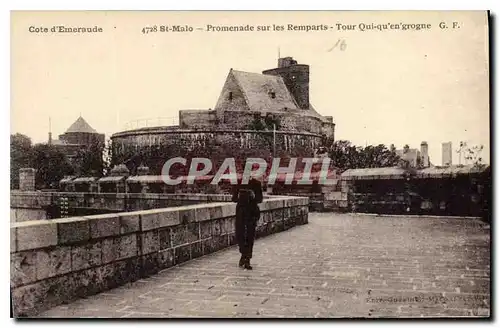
pixel 85 256
pixel 29 214
pixel 127 246
pixel 27 300
pixel 53 262
pixel 129 222
pixel 168 218
pixel 150 242
pixel 196 249
pixel 202 214
pixel 104 225
pixel 231 239
pixel 22 268
pixel 31 235
pixel 271 204
pixel 216 227
pixel 192 232
pixel 205 229
pixel 164 238
pixel 259 231
pixel 182 253
pixel 109 250
pixel 107 276
pixel 150 264
pixel 227 225
pixel 166 258
pixel 277 226
pixel 149 220
pixel 277 215
pixel 13 240
pixel 216 212
pixel 178 235
pixel 228 210
pixel 268 216
pixel 85 283
pixel 210 245
pixel 73 230
pixel 186 215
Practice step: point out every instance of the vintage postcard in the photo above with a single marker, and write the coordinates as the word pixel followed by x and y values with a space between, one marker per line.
pixel 250 164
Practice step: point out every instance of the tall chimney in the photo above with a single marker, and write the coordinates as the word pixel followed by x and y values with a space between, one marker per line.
pixel 50 132
pixel 447 153
pixel 424 152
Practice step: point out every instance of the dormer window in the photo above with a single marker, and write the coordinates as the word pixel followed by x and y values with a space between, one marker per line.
pixel 230 96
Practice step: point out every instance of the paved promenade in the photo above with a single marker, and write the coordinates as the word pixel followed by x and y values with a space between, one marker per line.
pixel 335 266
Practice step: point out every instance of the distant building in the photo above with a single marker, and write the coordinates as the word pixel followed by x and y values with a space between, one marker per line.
pixel 249 108
pixel 80 135
pixel 424 152
pixel 447 154
pixel 414 156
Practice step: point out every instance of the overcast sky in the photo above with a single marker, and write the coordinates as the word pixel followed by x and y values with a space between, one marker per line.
pixel 398 87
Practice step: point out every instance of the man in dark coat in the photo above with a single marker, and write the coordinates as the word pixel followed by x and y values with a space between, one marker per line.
pixel 247 198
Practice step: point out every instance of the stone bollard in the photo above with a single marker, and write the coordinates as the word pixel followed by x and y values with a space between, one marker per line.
pixel 27 179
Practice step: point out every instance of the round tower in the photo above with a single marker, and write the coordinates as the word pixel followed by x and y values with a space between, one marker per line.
pixel 296 78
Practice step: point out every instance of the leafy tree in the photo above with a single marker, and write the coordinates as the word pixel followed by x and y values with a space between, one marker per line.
pixel 21 156
pixel 473 154
pixel 89 161
pixel 347 156
pixel 51 166
pixel 107 156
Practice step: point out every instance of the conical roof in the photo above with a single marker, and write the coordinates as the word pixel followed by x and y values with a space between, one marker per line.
pixel 80 125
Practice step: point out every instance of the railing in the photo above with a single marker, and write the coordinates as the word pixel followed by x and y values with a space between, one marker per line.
pixel 151 122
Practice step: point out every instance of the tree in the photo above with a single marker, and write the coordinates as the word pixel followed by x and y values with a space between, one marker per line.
pixel 346 156
pixel 51 166
pixel 21 156
pixel 89 161
pixel 473 154
pixel 107 157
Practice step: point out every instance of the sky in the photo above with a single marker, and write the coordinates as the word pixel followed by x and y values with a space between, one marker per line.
pixel 390 87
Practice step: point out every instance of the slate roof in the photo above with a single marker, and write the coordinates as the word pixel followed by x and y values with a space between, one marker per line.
pixel 257 87
pixel 80 125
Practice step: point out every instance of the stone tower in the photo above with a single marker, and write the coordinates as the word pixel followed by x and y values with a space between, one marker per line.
pixel 296 78
pixel 424 153
pixel 447 154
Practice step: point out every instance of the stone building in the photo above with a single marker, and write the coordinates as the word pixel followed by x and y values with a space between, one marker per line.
pixel 447 154
pixel 79 135
pixel 416 157
pixel 257 115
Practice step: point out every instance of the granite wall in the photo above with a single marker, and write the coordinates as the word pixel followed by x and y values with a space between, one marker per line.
pixel 153 147
pixel 27 206
pixel 58 261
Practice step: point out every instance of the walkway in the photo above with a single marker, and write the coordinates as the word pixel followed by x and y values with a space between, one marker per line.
pixel 335 266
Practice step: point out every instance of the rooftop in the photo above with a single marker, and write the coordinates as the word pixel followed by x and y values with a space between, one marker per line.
pixel 80 126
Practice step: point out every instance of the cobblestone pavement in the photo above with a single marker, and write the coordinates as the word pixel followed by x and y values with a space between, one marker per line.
pixel 335 266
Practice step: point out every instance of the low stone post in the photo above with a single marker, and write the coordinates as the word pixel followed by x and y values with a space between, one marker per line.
pixel 27 179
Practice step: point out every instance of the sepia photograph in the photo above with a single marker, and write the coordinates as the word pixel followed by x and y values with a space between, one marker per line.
pixel 250 164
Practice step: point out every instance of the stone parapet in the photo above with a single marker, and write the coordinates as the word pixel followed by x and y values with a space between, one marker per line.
pixel 61 260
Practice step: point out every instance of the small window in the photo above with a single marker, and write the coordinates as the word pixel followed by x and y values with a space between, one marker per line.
pixel 272 94
pixel 230 97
